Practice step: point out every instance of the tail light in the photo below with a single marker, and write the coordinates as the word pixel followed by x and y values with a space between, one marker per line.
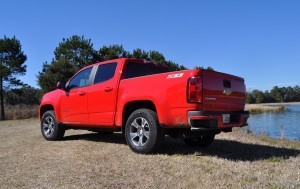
pixel 194 93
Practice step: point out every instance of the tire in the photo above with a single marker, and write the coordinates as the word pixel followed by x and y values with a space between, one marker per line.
pixel 50 128
pixel 202 141
pixel 142 131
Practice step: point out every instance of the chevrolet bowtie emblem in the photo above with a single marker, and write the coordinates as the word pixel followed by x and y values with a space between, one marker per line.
pixel 227 91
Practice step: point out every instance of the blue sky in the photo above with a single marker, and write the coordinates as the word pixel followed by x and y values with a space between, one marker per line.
pixel 256 39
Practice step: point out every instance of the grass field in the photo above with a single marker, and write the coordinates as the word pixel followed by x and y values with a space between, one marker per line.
pixel 88 160
pixel 21 112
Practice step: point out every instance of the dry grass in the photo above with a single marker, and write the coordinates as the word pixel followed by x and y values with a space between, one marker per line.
pixel 87 160
pixel 21 112
pixel 260 108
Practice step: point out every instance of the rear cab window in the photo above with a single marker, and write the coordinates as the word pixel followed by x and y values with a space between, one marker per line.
pixel 105 72
pixel 135 69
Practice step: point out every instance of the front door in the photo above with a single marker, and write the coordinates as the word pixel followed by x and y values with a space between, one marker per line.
pixel 74 101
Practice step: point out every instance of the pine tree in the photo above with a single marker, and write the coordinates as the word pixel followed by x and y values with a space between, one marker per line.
pixel 12 60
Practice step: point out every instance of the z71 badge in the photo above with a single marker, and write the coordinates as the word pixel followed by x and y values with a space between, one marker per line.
pixel 175 75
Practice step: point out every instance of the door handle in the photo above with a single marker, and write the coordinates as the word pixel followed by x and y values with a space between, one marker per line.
pixel 108 89
pixel 82 93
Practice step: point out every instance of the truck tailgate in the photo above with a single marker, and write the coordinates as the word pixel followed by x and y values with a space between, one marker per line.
pixel 222 92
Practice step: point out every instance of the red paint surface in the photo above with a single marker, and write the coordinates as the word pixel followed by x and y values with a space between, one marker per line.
pixel 102 104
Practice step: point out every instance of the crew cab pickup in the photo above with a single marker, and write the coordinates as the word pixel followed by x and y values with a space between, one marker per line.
pixel 145 101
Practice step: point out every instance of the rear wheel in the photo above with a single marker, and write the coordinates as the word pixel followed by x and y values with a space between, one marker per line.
pixel 202 141
pixel 143 132
pixel 50 128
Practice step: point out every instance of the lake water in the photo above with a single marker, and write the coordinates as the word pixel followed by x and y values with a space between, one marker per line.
pixel 276 125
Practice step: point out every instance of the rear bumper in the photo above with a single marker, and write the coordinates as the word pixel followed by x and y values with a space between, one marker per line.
pixel 202 121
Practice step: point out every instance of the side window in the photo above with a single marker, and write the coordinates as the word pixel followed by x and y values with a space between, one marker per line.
pixel 81 79
pixel 105 72
pixel 142 69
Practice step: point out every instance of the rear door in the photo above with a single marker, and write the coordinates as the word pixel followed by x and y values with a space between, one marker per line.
pixel 222 92
pixel 102 95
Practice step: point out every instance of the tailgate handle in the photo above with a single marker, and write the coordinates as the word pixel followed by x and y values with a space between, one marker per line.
pixel 227 83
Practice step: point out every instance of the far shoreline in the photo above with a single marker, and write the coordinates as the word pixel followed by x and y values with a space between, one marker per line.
pixel 277 104
pixel 268 107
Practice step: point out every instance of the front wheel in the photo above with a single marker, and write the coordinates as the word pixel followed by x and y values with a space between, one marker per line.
pixel 50 128
pixel 201 141
pixel 143 132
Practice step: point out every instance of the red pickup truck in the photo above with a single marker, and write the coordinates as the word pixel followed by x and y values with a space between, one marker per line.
pixel 145 101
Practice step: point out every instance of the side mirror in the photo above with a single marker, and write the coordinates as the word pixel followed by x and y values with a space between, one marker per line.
pixel 61 85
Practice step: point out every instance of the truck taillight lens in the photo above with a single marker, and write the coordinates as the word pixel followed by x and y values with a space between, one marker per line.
pixel 194 93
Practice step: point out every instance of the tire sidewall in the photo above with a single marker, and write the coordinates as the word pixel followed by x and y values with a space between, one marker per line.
pixel 55 133
pixel 153 125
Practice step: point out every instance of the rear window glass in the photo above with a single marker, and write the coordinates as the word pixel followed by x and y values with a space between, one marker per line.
pixel 105 72
pixel 142 69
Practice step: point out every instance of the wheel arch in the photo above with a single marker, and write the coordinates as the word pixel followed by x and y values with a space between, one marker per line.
pixel 44 108
pixel 135 105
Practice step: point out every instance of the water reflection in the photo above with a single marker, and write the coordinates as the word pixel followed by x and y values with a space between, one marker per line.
pixel 277 125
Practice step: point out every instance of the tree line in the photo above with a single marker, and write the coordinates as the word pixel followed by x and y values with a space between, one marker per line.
pixel 277 94
pixel 70 55
pixel 76 52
